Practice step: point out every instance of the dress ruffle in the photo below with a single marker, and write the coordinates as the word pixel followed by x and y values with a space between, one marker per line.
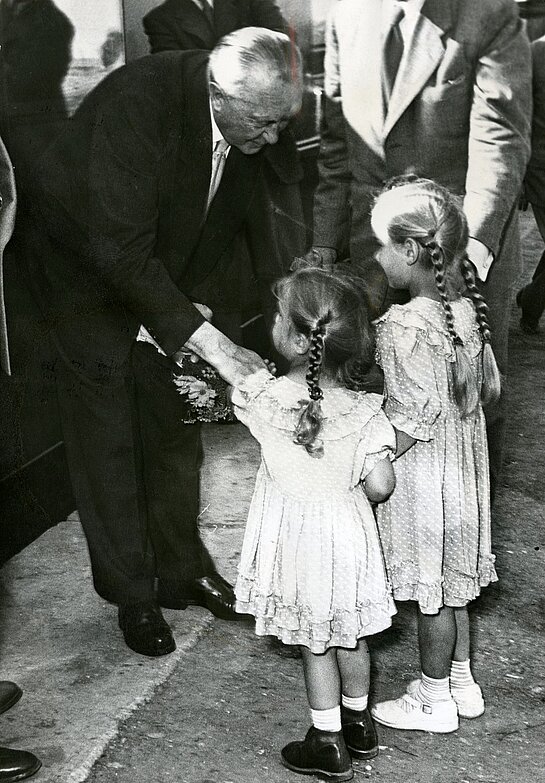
pixel 278 402
pixel 294 624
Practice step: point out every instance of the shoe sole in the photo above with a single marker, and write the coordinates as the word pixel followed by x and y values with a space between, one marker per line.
pixel 182 604
pixel 362 754
pixel 14 699
pixel 320 773
pixel 438 728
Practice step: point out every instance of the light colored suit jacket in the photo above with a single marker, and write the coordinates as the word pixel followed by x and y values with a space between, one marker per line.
pixel 459 113
pixel 7 221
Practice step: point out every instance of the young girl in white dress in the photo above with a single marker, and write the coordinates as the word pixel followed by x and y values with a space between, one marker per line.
pixel 439 370
pixel 311 569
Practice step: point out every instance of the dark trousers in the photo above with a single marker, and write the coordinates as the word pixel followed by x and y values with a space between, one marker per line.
pixel 134 469
pixel 532 298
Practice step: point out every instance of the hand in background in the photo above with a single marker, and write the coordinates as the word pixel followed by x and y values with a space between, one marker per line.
pixel 323 257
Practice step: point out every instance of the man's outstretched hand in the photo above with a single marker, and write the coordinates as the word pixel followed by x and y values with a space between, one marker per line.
pixel 231 361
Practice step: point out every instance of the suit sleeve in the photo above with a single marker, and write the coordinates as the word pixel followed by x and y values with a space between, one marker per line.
pixel 161 36
pixel 266 13
pixel 331 201
pixel 124 159
pixel 499 139
pixel 535 174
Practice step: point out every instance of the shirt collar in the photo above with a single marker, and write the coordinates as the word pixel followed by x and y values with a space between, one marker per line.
pixel 216 133
pixel 411 7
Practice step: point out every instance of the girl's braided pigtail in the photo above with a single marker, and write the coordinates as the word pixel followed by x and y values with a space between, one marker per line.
pixel 310 421
pixel 491 387
pixel 464 381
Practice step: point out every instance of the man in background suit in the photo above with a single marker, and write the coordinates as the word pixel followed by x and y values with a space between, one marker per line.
pixel 132 215
pixel 199 24
pixel 441 88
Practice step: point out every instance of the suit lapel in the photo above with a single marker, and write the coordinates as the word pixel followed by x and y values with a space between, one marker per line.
pixel 194 23
pixel 422 57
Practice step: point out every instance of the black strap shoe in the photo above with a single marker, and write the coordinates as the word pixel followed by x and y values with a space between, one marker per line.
pixel 213 592
pixel 359 733
pixel 17 765
pixel 10 693
pixel 145 630
pixel 321 753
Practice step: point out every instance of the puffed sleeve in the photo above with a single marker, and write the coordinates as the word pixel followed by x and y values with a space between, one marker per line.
pixel 378 441
pixel 244 397
pixel 412 401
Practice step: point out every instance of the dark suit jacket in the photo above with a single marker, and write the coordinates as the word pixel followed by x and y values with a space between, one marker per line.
pixel 117 228
pixel 178 24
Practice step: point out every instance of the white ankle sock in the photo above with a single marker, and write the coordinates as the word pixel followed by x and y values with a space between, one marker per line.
pixel 326 720
pixel 460 674
pixel 355 703
pixel 431 691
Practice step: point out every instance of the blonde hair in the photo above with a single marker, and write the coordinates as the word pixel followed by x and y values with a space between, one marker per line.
pixel 330 309
pixel 422 210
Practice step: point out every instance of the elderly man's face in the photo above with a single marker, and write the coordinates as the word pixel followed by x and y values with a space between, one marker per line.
pixel 254 117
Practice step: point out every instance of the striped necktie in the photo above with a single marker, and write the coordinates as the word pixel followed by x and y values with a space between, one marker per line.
pixel 208 12
pixel 219 156
pixel 391 56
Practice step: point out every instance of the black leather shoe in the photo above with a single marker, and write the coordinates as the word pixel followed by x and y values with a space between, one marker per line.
pixel 527 325
pixel 145 629
pixel 321 753
pixel 359 733
pixel 10 693
pixel 213 592
pixel 17 765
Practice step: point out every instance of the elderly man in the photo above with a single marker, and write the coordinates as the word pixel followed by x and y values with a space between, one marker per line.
pixel 135 210
pixel 440 88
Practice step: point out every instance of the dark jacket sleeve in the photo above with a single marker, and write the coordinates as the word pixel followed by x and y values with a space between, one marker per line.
pixel 161 32
pixel 125 159
pixel 535 175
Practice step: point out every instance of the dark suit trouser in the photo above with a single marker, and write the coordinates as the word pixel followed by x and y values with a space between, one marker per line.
pixel 532 298
pixel 135 472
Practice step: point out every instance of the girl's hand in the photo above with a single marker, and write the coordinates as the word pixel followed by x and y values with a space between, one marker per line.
pixel 271 366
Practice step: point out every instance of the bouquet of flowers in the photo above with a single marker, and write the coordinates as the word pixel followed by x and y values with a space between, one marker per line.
pixel 203 390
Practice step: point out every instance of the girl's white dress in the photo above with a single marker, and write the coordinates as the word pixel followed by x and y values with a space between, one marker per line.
pixel 435 528
pixel 311 569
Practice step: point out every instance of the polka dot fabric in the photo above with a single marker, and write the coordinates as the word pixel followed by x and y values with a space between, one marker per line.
pixel 311 569
pixel 435 528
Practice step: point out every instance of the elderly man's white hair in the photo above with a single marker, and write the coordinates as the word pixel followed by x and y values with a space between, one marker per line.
pixel 254 52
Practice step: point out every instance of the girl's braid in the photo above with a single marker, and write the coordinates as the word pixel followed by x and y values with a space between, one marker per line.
pixel 481 307
pixel 491 385
pixel 316 354
pixel 463 376
pixel 310 420
pixel 436 255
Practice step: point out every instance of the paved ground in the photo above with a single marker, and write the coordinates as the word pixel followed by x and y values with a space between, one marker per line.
pixel 234 700
pixel 221 707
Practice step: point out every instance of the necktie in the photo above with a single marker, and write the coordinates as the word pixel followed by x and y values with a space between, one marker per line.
pixel 392 54
pixel 208 12
pixel 219 156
